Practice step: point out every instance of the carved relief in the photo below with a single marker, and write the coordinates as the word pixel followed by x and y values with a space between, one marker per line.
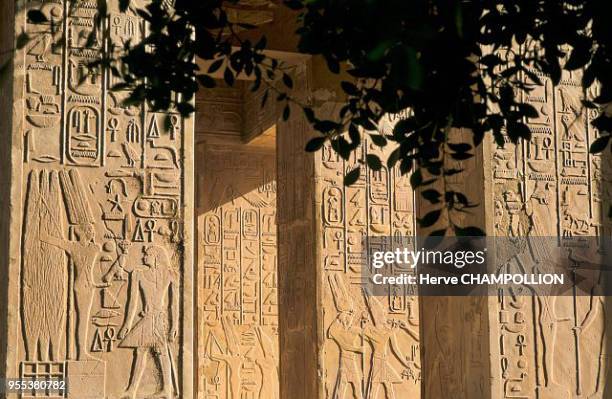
pixel 550 347
pixel 238 282
pixel 372 345
pixel 101 272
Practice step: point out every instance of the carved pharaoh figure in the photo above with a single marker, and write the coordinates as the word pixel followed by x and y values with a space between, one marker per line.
pixel 83 253
pixel 233 358
pixel 44 271
pixel 537 208
pixel 268 365
pixel 349 340
pixel 382 337
pixel 155 284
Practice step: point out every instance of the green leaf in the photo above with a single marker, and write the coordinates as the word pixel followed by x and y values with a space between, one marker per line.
pixel 518 130
pixel 416 179
pixel 459 18
pixel 214 67
pixel 264 98
pixel 431 195
pixel 430 219
pixel 36 16
pixel 600 144
pixel 352 176
pixel 123 5
pixel 310 115
pixel 261 44
pixel 490 60
pixel 22 40
pixel 469 231
pixel 228 76
pixel 528 110
pixel 406 166
pixel 373 162
pixel 287 80
pixel 459 147
pixel 326 126
pixel 393 158
pixel 333 65
pixel 378 52
pixel 316 144
pixel 581 55
pixel 354 135
pixel 294 4
pixel 206 81
pixel 414 74
pixel 403 127
pixel 349 88
pixel 378 139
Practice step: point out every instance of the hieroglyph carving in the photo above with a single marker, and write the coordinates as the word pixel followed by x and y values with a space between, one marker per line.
pixel 238 282
pixel 551 347
pixel 102 266
pixel 371 349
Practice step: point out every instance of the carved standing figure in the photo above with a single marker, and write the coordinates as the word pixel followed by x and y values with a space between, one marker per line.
pixel 382 337
pixel 349 341
pixel 268 365
pixel 83 254
pixel 154 286
pixel 537 208
pixel 44 272
pixel 233 358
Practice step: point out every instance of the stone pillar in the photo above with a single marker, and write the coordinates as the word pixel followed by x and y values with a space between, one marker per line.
pixel 549 346
pixel 99 264
pixel 455 347
pixel 236 254
pixel 335 342
pixel 533 347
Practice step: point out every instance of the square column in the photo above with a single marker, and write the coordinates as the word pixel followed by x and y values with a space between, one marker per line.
pixel 455 347
pixel 336 342
pixel 99 260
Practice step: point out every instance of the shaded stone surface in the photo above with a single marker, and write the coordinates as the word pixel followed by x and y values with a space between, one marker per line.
pixel 455 334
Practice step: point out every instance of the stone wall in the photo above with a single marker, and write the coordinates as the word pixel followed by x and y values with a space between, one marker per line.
pixel 547 346
pixel 371 343
pixel 237 275
pixel 100 234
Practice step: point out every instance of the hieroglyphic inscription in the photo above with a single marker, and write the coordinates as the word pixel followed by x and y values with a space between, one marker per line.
pixel 238 298
pixel 101 274
pixel 371 347
pixel 548 346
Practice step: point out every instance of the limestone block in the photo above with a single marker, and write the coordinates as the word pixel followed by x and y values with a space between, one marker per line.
pixel 100 232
